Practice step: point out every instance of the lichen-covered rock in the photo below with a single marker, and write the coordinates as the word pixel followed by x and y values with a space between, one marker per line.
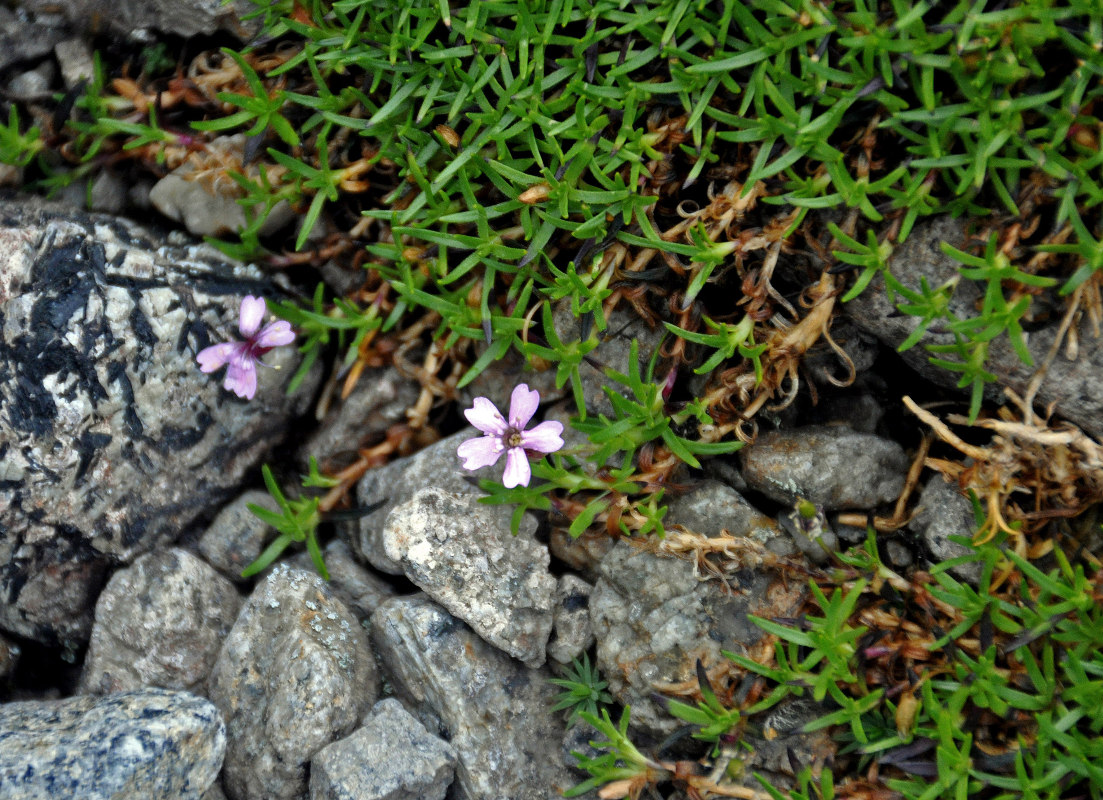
pixel 397 482
pixel 295 674
pixel 456 549
pixel 654 618
pixel 159 622
pixel 492 709
pixel 390 757
pixel 362 590
pixel 831 465
pixel 111 440
pixel 152 744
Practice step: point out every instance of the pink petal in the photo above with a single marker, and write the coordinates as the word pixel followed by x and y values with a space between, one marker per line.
pixel 252 314
pixel 517 472
pixel 486 417
pixel 275 334
pixel 522 405
pixel 482 451
pixel 544 438
pixel 241 378
pixel 213 357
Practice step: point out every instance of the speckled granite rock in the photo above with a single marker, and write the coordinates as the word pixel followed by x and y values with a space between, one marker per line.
pixel 457 550
pixel 436 465
pixel 180 17
pixel 391 757
pixel 151 744
pixel 573 634
pixel 294 675
pixel 103 403
pixel 831 465
pixel 492 709
pixel 237 536
pixel 653 619
pixel 159 622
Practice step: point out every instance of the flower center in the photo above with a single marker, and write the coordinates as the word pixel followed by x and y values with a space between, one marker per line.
pixel 513 438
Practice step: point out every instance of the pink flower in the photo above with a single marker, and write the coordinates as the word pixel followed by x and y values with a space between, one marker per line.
pixel 511 438
pixel 242 357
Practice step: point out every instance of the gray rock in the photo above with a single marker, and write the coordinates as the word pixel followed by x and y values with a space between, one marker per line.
pixel 812 535
pixel 898 554
pixel 1074 386
pixel 9 656
pixel 74 57
pixel 711 508
pixel 830 465
pixel 436 465
pixel 391 757
pixel 456 549
pixel 214 792
pixel 181 17
pixel 152 744
pixel 104 402
pixel 379 400
pixel 211 208
pixel 944 512
pixel 25 36
pixel 295 674
pixel 159 622
pixel 358 588
pixel 654 618
pixel 829 368
pixel 573 633
pixel 783 751
pixel 492 709
pixel 237 536
pixel 496 383
pixel 108 193
pixel 33 84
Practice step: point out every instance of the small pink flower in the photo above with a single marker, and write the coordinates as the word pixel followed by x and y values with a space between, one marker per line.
pixel 511 438
pixel 242 357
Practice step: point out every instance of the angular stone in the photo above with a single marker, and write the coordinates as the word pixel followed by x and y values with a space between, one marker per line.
pixel 492 709
pixel 237 536
pixel 103 402
pixel 153 743
pixel 456 550
pixel 295 674
pixel 654 618
pixel 159 622
pixel 397 482
pixel 573 634
pixel 390 757
pixel 831 465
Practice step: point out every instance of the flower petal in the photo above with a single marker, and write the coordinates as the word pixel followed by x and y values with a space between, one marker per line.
pixel 252 314
pixel 517 472
pixel 544 438
pixel 241 377
pixel 522 405
pixel 482 451
pixel 486 417
pixel 213 357
pixel 275 334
